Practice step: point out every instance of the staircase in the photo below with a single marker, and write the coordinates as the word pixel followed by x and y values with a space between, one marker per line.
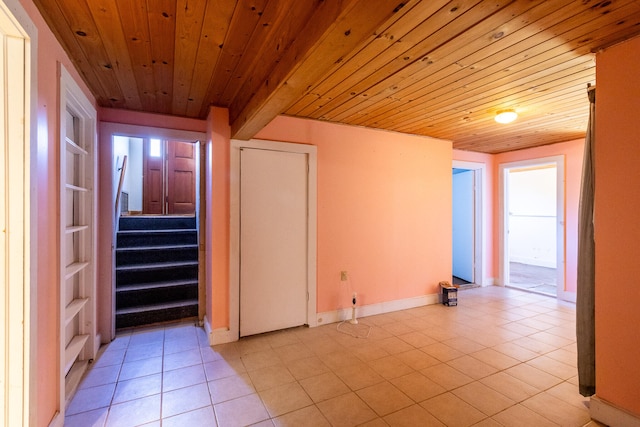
pixel 156 270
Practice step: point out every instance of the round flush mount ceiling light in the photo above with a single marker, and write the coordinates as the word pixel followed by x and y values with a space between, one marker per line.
pixel 506 116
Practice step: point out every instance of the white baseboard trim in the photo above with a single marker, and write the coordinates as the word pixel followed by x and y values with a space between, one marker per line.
pixel 609 414
pixel 223 335
pixel 488 281
pixel 568 296
pixel 549 263
pixel 206 325
pixel 217 336
pixel 379 308
pixel 96 345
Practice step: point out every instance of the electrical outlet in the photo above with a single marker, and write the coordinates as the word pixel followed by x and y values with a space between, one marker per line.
pixel 343 276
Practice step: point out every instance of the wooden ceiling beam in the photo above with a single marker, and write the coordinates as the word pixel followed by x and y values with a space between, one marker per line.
pixel 280 24
pixel 246 17
pixel 335 29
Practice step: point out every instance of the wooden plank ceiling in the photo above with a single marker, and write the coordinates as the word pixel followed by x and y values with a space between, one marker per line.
pixel 433 67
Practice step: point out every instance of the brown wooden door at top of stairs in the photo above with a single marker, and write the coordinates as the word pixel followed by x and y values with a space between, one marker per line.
pixel 153 182
pixel 181 178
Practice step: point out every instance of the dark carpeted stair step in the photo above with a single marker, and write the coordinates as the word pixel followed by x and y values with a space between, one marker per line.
pixel 157 222
pixel 132 238
pixel 157 272
pixel 153 313
pixel 155 254
pixel 156 293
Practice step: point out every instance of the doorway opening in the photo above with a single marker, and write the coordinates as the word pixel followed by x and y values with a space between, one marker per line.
pixel 155 176
pixel 467 224
pixel 463 207
pixel 532 255
pixel 157 257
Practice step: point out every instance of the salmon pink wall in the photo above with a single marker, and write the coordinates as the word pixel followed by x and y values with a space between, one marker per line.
pixel 217 213
pixel 573 153
pixel 488 160
pixel 617 228
pixel 48 56
pixel 384 210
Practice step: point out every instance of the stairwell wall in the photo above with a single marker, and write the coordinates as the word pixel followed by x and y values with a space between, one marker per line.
pixel 217 165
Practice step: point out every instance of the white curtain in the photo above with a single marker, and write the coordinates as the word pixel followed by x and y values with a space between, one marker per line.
pixel 585 312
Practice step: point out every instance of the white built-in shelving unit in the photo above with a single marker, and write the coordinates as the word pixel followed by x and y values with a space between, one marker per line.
pixel 78 336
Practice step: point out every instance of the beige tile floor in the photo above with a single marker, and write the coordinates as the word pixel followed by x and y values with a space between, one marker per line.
pixel 501 357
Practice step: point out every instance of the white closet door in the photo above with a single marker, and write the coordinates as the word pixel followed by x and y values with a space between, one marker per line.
pixel 273 240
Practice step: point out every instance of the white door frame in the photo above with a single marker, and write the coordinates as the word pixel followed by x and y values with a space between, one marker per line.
pixel 479 173
pixel 234 230
pixel 18 215
pixel 503 169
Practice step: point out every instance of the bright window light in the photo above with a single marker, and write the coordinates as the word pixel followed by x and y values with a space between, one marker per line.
pixel 154 149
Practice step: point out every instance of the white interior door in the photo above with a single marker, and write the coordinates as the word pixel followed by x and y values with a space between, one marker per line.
pixel 273 240
pixel 463 224
pixel 17 218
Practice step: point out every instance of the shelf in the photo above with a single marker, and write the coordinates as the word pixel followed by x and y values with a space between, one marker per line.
pixel 74 308
pixel 77 173
pixel 76 188
pixel 75 148
pixel 74 268
pixel 75 228
pixel 73 378
pixel 73 350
